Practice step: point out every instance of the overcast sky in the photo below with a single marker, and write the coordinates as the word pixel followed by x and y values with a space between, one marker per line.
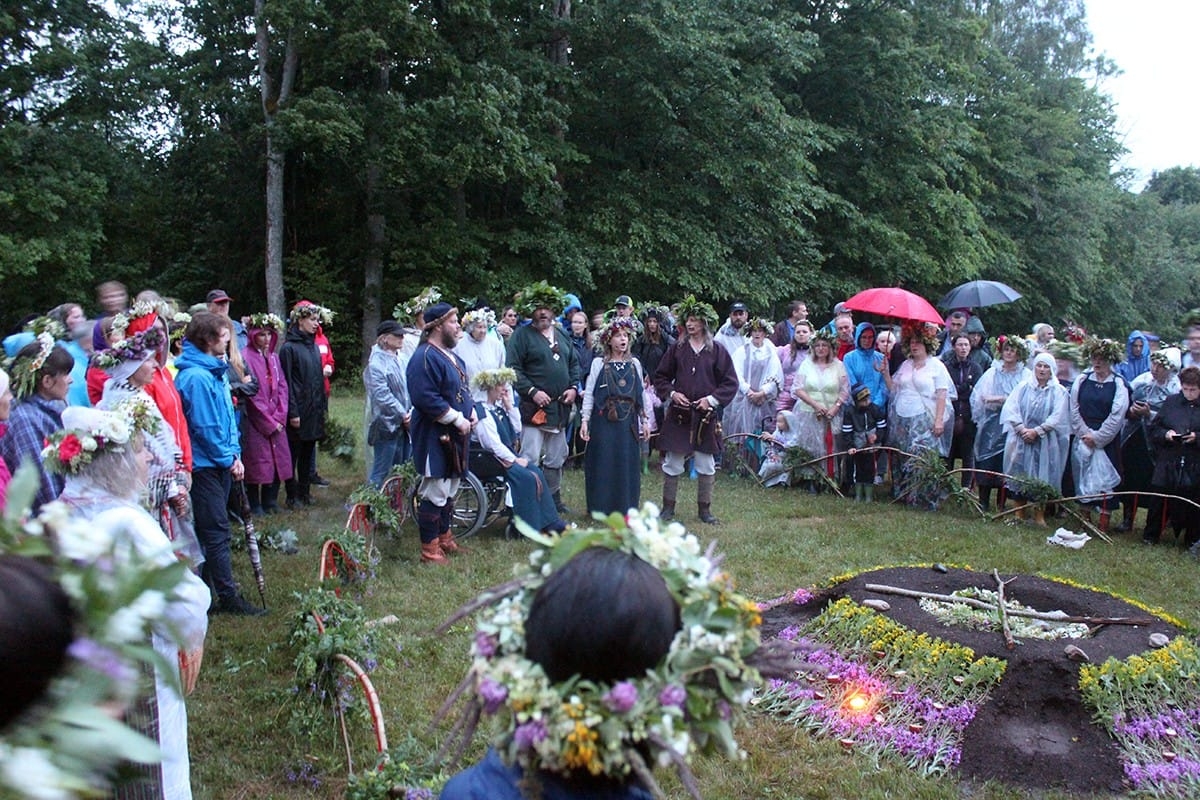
pixel 1157 99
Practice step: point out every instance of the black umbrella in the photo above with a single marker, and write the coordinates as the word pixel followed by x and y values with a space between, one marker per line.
pixel 239 488
pixel 977 294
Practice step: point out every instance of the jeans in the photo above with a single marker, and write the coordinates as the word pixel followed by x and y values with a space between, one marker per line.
pixel 210 491
pixel 388 452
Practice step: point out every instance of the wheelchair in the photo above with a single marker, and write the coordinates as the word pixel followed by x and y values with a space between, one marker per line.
pixel 480 498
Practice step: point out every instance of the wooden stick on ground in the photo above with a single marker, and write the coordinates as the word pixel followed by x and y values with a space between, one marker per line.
pixel 1051 616
pixel 1009 644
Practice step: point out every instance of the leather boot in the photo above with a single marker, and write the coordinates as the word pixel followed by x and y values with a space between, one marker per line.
pixel 554 484
pixel 1103 523
pixel 449 546
pixel 704 493
pixel 670 492
pixel 431 553
pixel 1039 516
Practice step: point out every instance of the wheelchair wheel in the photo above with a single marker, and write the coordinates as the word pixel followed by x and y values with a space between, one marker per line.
pixel 495 490
pixel 470 507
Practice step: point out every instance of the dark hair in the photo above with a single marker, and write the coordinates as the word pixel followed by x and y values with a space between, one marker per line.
pixel 59 362
pixel 61 311
pixel 35 632
pixel 960 335
pixel 205 329
pixel 604 615
pixel 1190 376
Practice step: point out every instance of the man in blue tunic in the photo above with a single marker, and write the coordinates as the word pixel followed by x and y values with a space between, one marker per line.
pixel 442 418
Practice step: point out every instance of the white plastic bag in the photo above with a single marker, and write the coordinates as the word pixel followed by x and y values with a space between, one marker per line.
pixel 1094 473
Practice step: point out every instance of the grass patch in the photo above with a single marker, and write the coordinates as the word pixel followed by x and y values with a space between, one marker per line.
pixel 775 540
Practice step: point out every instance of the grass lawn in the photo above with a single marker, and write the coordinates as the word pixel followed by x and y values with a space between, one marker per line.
pixel 775 540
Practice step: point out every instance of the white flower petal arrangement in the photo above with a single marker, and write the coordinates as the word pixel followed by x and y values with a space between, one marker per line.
pixel 688 703
pixel 69 742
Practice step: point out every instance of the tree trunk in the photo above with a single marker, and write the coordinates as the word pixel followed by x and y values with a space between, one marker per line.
pixel 376 231
pixel 272 101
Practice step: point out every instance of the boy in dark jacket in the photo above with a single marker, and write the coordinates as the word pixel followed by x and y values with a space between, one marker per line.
pixel 862 427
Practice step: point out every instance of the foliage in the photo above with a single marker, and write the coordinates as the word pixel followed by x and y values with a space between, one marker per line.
pixel 978 619
pixel 379 507
pixel 1149 704
pixel 405 767
pixel 339 441
pixel 322 685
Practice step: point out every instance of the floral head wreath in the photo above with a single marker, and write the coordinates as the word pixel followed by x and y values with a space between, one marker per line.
pixel 1073 332
pixel 1066 351
pixel 687 703
pixel 1018 343
pixel 919 330
pixel 117 594
pixel 410 308
pixel 691 307
pixel 23 370
pixel 757 324
pixel 307 309
pixel 68 451
pixel 612 327
pixel 46 324
pixel 539 295
pixel 823 335
pixel 484 315
pixel 654 309
pixel 268 320
pixel 140 309
pixel 491 378
pixel 1110 350
pixel 1167 357
pixel 138 347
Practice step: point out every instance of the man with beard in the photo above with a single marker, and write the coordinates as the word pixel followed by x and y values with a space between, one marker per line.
pixel 548 381
pixel 695 378
pixel 730 334
pixel 443 415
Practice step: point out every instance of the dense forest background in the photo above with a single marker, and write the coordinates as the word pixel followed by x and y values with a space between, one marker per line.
pixel 354 151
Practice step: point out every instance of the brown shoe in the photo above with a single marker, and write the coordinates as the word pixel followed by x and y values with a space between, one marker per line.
pixel 449 546
pixel 431 553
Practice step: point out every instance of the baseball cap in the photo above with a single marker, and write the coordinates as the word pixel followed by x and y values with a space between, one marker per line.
pixel 217 296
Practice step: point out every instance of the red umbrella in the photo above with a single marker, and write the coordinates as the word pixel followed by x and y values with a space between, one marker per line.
pixel 892 301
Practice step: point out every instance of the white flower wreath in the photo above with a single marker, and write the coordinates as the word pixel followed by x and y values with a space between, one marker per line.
pixel 688 703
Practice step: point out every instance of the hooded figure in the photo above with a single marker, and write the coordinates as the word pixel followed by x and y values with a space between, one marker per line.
pixel 862 365
pixel 265 451
pixel 1137 357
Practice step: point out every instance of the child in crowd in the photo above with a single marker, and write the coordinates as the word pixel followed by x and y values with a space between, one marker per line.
pixel 773 471
pixel 861 428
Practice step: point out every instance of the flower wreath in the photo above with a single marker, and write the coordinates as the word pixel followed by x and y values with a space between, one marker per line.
pixel 539 295
pixel 1110 350
pixel 268 320
pixel 23 370
pixel 758 324
pixel 490 378
pixel 142 308
pixel 66 452
pixel 610 329
pixel 68 743
pixel 1066 351
pixel 823 334
pixel 691 307
pixel 306 309
pixel 408 309
pixel 920 330
pixel 1018 343
pixel 138 347
pixel 1073 332
pixel 46 324
pixel 1163 358
pixel 484 315
pixel 688 703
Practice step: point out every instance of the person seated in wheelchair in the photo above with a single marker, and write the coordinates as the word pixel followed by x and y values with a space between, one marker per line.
pixel 497 436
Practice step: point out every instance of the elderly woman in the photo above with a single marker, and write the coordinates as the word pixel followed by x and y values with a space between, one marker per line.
pixel 922 411
pixel 102 490
pixel 497 433
pixel 480 347
pixel 130 365
pixel 615 420
pixel 987 402
pixel 1036 421
pixel 1147 392
pixel 41 378
pixel 1099 400
pixel 822 389
pixel 1174 432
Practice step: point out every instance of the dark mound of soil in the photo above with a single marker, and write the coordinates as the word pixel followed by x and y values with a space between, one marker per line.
pixel 1034 730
